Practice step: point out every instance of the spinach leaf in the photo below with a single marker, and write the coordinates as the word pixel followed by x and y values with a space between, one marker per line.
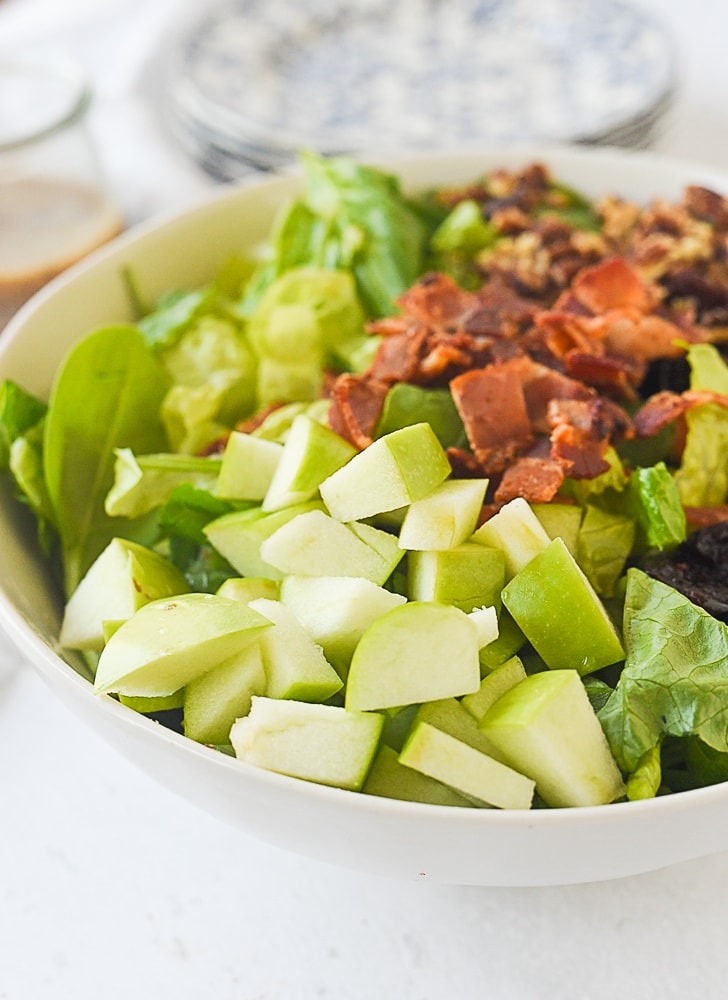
pixel 675 677
pixel 107 395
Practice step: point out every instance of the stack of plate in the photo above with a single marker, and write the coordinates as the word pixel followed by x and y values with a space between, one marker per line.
pixel 250 82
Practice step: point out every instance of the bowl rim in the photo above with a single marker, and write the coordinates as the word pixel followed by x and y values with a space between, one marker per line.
pixel 49 662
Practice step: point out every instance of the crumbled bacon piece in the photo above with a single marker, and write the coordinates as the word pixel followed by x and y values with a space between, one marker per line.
pixel 537 480
pixel 356 405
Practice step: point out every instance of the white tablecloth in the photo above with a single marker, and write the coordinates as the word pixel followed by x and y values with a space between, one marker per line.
pixel 111 887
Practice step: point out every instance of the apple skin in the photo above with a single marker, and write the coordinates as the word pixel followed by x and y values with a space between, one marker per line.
pixel 311 453
pixel 493 686
pixel 123 578
pixel 546 727
pixel 561 615
pixel 213 701
pixel 419 651
pixel 392 780
pixel 392 472
pixel 322 743
pixel 170 642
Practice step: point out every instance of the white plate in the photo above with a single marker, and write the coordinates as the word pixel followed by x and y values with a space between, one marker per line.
pixel 249 82
pixel 387 837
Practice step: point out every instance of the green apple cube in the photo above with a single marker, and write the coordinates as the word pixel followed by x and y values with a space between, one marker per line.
pixel 123 578
pixel 170 642
pixel 213 701
pixel 493 686
pixel 248 465
pixel 392 472
pixel 444 518
pixel 238 537
pixel 481 778
pixel 321 743
pixel 546 727
pixel 336 611
pixel 468 576
pixel 517 531
pixel 418 651
pixel 314 544
pixel 560 520
pixel 561 614
pixel 295 665
pixel 391 780
pixel 143 482
pixel 248 588
pixel 311 453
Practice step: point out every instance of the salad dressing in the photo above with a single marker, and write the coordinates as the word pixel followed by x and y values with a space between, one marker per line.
pixel 47 224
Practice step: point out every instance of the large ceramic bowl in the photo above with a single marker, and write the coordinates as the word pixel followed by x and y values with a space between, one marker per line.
pixel 386 837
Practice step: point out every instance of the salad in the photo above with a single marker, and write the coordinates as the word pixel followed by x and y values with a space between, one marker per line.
pixel 428 501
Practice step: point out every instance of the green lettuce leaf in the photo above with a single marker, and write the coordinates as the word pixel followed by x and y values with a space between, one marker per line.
pixel 702 479
pixel 145 482
pixel 675 678
pixel 350 217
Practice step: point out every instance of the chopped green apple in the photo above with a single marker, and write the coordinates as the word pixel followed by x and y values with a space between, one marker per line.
pixel 392 780
pixel 517 531
pixel 248 465
pixel 336 611
pixel 238 536
pixel 143 482
pixel 449 715
pixel 546 727
pixel 147 706
pixel 314 544
pixel 395 470
pixel 295 665
pixel 123 578
pixel 312 452
pixel 322 743
pixel 493 686
pixel 560 613
pixel 213 701
pixel 468 576
pixel 481 778
pixel 486 623
pixel 444 518
pixel 510 640
pixel 418 651
pixel 170 642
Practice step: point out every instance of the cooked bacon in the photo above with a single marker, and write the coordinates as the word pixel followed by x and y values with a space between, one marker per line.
pixel 398 356
pixel 582 430
pixel 464 464
pixel 612 284
pixel 540 385
pixel 492 406
pixel 356 405
pixel 611 376
pixel 703 517
pixel 537 480
pixel 665 407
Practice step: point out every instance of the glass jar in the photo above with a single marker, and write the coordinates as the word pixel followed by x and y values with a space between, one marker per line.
pixel 54 207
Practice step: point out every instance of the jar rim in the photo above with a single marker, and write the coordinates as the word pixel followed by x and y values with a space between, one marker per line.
pixel 71 103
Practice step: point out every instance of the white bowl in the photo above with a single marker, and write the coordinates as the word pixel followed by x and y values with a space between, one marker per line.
pixel 382 836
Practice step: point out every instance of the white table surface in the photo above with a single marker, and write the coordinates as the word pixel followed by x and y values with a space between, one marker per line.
pixel 111 887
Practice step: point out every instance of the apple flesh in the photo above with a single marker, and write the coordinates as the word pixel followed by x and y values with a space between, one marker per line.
pixel 494 686
pixel 479 777
pixel 314 544
pixel 444 518
pixel 213 701
pixel 170 642
pixel 295 666
pixel 248 465
pixel 392 472
pixel 417 652
pixel 322 743
pixel 515 530
pixel 311 453
pixel 238 536
pixel 336 611
pixel 123 578
pixel 546 727
pixel 561 614
pixel 247 588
